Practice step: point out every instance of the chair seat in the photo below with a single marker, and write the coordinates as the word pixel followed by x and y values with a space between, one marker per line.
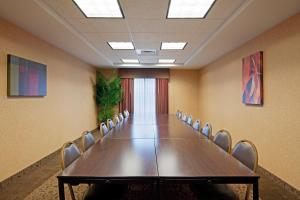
pixel 105 191
pixel 214 192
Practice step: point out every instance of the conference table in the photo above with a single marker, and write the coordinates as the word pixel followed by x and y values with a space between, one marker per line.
pixel 156 150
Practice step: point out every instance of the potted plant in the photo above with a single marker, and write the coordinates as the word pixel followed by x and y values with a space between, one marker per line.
pixel 108 95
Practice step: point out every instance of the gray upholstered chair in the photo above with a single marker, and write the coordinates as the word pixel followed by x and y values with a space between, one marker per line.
pixel 178 114
pixel 183 117
pixel 223 140
pixel 116 120
pixel 121 117
pixel 69 153
pixel 206 130
pixel 88 140
pixel 197 125
pixel 110 124
pixel 189 120
pixel 246 152
pixel 103 129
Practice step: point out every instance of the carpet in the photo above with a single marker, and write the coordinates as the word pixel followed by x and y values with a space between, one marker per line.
pixel 49 191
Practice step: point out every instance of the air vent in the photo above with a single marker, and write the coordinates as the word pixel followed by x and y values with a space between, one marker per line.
pixel 146 52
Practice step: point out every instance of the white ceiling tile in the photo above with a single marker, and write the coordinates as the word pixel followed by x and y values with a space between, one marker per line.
pixel 82 25
pixel 65 8
pixel 223 9
pixel 107 37
pixel 109 25
pixel 172 25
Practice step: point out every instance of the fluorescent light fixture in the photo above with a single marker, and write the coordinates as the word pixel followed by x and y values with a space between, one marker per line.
pixel 100 8
pixel 121 45
pixel 189 8
pixel 130 61
pixel 166 60
pixel 172 45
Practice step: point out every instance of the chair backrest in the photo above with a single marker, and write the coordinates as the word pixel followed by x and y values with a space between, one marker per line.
pixel 223 140
pixel 183 117
pixel 121 118
pixel 245 151
pixel 126 113
pixel 116 120
pixel 103 129
pixel 206 130
pixel 110 124
pixel 189 120
pixel 88 140
pixel 178 114
pixel 197 125
pixel 69 153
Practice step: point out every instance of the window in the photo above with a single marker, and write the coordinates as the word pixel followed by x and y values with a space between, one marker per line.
pixel 144 95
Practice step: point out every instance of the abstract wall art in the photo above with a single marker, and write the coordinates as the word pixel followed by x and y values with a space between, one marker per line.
pixel 25 77
pixel 253 79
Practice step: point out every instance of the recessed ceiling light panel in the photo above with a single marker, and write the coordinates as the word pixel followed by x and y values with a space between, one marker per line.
pixel 121 45
pixel 189 8
pixel 172 45
pixel 100 8
pixel 166 61
pixel 130 61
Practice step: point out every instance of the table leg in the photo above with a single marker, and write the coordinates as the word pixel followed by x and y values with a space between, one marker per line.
pixel 61 190
pixel 255 191
pixel 156 190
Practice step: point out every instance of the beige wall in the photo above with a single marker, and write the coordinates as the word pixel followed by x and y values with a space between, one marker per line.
pixel 31 128
pixel 183 91
pixel 275 127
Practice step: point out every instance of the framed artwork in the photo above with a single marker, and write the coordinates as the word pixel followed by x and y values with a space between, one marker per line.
pixel 253 79
pixel 25 77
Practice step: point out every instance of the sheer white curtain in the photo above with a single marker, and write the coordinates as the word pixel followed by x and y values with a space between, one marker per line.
pixel 144 95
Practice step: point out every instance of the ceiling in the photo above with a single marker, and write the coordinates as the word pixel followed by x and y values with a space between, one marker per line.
pixel 229 24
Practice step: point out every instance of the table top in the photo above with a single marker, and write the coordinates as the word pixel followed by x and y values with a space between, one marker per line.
pixel 157 147
pixel 117 159
pixel 201 158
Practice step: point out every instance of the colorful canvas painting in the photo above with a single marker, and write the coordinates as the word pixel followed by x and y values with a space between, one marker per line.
pixel 252 79
pixel 25 77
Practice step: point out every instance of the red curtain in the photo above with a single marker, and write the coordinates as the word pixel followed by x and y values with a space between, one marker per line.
pixel 162 96
pixel 127 102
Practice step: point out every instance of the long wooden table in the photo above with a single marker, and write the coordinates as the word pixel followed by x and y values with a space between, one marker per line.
pixel 156 149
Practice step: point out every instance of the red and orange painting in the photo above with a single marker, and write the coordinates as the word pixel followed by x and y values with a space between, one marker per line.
pixel 252 79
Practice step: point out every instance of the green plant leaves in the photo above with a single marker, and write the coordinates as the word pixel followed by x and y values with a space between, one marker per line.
pixel 108 95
